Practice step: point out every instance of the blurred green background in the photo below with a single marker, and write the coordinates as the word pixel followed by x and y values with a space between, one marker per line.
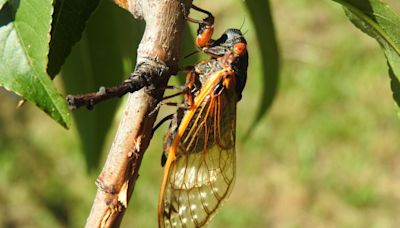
pixel 326 155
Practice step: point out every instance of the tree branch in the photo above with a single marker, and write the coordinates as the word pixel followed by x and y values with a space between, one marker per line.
pixel 157 60
pixel 134 83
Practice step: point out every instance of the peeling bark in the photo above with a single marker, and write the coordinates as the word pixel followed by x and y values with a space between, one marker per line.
pixel 157 59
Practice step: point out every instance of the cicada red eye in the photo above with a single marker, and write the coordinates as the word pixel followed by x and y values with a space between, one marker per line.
pixel 239 48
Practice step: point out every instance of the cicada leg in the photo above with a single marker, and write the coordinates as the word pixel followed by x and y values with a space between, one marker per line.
pixel 191 87
pixel 205 30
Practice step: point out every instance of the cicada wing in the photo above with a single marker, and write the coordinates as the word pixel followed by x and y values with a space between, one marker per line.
pixel 202 176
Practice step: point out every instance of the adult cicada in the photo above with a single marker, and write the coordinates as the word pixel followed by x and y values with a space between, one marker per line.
pixel 199 147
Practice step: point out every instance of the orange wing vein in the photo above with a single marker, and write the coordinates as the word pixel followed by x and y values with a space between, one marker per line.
pixel 200 168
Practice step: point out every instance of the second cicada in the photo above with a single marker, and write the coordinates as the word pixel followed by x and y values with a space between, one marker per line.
pixel 199 147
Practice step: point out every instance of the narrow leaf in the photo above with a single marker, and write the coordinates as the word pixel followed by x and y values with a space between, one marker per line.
pixel 104 57
pixel 261 16
pixel 379 21
pixel 69 21
pixel 395 86
pixel 24 39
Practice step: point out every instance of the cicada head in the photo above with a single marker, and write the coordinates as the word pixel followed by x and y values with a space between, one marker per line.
pixel 233 42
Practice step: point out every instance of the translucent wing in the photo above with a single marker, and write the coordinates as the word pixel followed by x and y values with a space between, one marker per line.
pixel 202 175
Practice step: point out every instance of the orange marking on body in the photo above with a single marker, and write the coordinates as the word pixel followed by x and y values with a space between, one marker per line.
pixel 229 83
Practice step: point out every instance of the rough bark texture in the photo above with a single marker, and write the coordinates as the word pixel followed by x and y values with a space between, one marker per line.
pixel 157 60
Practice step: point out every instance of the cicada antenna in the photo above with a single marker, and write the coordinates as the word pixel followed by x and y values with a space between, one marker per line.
pixel 244 20
pixel 241 26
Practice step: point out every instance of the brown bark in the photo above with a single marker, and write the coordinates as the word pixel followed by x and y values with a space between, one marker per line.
pixel 157 60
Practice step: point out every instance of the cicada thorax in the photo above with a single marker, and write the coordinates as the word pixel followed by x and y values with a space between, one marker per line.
pixel 207 113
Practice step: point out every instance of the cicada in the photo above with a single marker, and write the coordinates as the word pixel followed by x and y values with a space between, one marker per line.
pixel 199 147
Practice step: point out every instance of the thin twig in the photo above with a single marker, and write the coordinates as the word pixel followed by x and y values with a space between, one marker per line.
pixel 137 80
pixel 89 100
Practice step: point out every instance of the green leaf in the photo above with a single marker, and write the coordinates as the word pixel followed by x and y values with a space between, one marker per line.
pixel 69 21
pixel 379 21
pixel 24 39
pixel 103 57
pixel 261 16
